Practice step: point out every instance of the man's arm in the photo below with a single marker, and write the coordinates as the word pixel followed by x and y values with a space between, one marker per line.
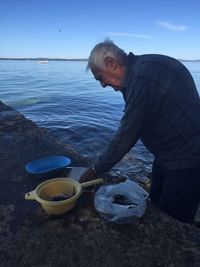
pixel 126 135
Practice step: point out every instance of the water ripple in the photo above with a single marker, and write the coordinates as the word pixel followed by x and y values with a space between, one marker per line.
pixel 63 97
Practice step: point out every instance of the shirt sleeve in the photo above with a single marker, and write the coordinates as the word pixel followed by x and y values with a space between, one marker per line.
pixel 129 130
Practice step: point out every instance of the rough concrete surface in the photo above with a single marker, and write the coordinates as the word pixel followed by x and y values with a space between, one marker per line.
pixel 28 237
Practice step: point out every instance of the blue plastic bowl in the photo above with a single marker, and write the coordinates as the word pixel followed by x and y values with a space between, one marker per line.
pixel 47 165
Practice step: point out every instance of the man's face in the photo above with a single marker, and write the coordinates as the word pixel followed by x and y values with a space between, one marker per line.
pixel 110 75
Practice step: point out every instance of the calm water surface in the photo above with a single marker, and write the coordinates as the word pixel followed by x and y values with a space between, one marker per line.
pixel 64 98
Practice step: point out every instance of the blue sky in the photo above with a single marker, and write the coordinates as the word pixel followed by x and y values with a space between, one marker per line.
pixel 70 28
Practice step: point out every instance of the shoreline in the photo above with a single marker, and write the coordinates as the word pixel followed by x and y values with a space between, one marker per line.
pixel 75 59
pixel 45 58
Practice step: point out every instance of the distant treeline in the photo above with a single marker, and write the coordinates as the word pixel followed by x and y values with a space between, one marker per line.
pixel 44 59
pixel 75 59
pixel 189 60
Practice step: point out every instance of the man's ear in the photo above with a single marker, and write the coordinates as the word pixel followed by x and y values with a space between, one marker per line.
pixel 110 63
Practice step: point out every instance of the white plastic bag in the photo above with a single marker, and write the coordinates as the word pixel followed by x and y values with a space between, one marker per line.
pixel 121 203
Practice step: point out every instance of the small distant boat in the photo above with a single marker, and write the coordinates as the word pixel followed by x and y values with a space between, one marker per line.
pixel 43 61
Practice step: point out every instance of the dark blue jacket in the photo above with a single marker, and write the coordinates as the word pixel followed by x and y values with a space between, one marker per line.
pixel 162 109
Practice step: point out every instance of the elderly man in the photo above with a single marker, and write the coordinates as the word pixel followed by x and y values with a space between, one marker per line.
pixel 162 109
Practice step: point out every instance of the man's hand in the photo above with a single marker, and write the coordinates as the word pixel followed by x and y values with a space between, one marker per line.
pixel 89 174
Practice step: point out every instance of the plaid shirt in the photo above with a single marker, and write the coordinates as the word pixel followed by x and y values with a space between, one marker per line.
pixel 162 109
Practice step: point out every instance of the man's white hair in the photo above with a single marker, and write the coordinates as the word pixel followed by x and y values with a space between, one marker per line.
pixel 103 50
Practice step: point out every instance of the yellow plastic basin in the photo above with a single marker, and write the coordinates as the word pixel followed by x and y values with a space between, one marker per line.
pixel 46 191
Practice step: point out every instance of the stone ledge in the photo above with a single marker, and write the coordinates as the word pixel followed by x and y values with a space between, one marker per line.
pixel 79 238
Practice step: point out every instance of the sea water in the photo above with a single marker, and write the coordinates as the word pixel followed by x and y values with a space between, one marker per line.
pixel 64 98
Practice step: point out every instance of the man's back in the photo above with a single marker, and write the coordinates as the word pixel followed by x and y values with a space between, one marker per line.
pixel 171 124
